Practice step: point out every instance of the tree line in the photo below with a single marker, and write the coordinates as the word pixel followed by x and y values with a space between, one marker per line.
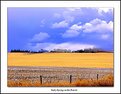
pixel 89 50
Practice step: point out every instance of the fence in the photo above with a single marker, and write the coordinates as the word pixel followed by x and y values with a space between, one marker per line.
pixel 57 78
pixel 42 78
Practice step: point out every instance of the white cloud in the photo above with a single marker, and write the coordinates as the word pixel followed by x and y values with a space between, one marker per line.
pixel 68 15
pixel 66 45
pixel 104 10
pixel 98 25
pixel 73 31
pixel 39 37
pixel 71 46
pixel 110 25
pixel 61 24
pixel 37 46
pixel 76 27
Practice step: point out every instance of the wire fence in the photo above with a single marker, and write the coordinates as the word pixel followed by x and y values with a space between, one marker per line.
pixel 54 78
pixel 50 75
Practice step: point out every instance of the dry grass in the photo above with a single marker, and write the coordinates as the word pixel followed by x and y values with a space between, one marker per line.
pixel 23 83
pixel 88 60
pixel 105 81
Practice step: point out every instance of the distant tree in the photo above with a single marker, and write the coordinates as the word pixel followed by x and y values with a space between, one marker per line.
pixel 18 50
pixel 79 51
pixel 89 50
pixel 42 51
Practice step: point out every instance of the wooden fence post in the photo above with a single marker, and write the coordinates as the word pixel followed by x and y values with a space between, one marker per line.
pixel 40 79
pixel 97 76
pixel 70 78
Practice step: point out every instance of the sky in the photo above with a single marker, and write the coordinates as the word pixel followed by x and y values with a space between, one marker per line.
pixel 60 28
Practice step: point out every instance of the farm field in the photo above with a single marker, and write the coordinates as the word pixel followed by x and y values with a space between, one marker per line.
pixel 60 69
pixel 59 76
pixel 83 60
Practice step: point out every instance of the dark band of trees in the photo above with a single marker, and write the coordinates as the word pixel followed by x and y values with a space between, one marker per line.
pixel 90 50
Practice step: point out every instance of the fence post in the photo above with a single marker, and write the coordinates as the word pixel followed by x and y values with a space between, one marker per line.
pixel 70 78
pixel 97 76
pixel 40 79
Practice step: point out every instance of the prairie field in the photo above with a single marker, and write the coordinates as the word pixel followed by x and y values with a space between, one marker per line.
pixel 106 81
pixel 84 60
pixel 59 76
pixel 60 69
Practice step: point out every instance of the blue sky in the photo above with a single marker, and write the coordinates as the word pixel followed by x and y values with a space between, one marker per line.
pixel 63 28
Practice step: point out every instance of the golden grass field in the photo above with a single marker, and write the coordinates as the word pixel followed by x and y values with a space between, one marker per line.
pixel 84 60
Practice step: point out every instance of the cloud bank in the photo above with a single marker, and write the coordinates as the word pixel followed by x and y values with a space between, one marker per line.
pixel 98 25
pixel 95 25
pixel 66 45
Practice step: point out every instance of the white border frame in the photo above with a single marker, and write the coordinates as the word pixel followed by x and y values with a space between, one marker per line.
pixel 114 4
